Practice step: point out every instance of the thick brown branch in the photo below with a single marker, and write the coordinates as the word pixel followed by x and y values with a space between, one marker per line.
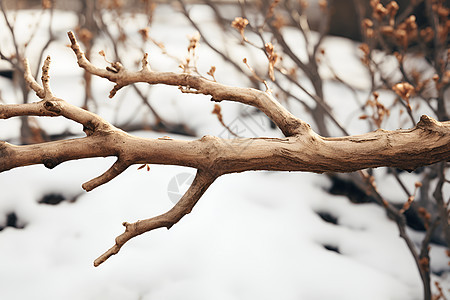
pixel 427 143
pixel 200 184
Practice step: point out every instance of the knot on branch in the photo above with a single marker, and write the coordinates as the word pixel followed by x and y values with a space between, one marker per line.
pixel 50 163
pixel 89 128
pixel 298 127
pixel 432 126
pixel 115 67
pixel 427 123
pixel 53 106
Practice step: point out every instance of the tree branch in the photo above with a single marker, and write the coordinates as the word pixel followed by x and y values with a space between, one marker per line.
pixel 184 206
pixel 302 150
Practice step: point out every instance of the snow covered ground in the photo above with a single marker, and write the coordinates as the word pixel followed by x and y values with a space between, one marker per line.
pixel 255 235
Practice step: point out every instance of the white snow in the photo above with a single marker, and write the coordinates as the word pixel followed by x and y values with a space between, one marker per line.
pixel 253 235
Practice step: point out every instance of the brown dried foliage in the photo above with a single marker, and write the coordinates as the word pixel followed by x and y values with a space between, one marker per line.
pixel 240 23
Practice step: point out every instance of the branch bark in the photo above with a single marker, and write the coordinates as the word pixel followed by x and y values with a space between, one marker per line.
pixel 301 150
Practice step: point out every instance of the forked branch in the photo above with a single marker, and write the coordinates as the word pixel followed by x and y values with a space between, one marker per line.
pixel 184 206
pixel 116 73
pixel 301 150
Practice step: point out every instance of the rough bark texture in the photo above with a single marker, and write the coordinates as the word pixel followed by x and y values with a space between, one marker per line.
pixel 301 150
pixel 427 143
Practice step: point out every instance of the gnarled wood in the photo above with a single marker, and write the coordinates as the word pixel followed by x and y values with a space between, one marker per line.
pixel 301 150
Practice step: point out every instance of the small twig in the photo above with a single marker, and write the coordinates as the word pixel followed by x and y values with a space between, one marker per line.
pixel 11 30
pixel 218 112
pixel 441 205
pixel 207 42
pixel 49 41
pixel 31 81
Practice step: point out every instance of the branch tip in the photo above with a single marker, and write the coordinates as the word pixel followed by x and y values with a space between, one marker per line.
pixel 72 38
pixel 115 89
pixel 76 48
